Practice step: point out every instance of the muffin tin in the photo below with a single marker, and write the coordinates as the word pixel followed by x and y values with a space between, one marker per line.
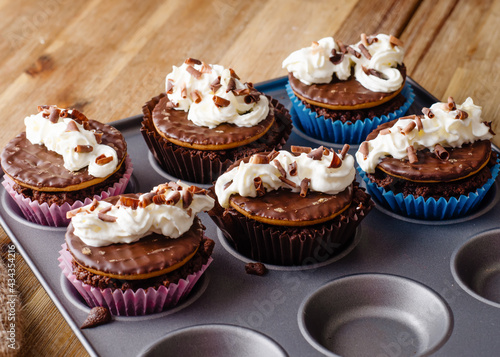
pixel 402 286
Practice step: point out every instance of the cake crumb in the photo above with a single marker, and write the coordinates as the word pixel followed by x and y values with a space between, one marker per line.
pixel 98 315
pixel 255 269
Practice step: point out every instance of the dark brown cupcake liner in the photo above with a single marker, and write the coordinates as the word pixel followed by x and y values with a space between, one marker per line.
pixel 292 245
pixel 206 166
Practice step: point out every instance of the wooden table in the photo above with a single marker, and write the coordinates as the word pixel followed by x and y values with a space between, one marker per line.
pixel 106 58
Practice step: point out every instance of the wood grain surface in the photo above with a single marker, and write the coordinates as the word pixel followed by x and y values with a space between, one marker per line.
pixel 106 58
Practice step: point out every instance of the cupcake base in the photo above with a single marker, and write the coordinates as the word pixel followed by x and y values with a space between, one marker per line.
pixel 55 215
pixel 204 167
pixel 129 302
pixel 280 245
pixel 335 131
pixel 430 208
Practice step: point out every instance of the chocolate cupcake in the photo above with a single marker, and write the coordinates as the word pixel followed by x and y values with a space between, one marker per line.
pixel 434 166
pixel 61 162
pixel 340 93
pixel 138 254
pixel 290 208
pixel 207 119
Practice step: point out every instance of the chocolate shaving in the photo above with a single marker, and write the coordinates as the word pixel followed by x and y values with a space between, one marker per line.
pixel 174 186
pixel 252 97
pixel 43 108
pixel 394 41
pixel 74 212
pixel 373 72
pixel 280 168
pixel 187 198
pixel 304 186
pixel 79 116
pixel 258 269
pixel 173 197
pixel 287 181
pixel 86 125
pixel 336 162
pixel 194 72
pixel 490 130
pixel 363 149
pixel 94 205
pixel 344 151
pixel 64 113
pixel 103 160
pixel 441 152
pixel 461 115
pixel 192 61
pixel 385 132
pixel 420 126
pixel 160 199
pixel 129 202
pixel 372 39
pixel 220 102
pixel 342 47
pixel 336 57
pixel 259 159
pixel 54 115
pixel 106 209
pixel 106 217
pixel 451 104
pixel 353 52
pixel 259 186
pixel 98 315
pixel 272 155
pixel 365 51
pixel 72 126
pixel 227 184
pixel 411 125
pixel 196 96
pixel 412 154
pixel 146 199
pixel 241 91
pixel 189 212
pixel 231 85
pixel 183 90
pixel 205 68
pixel 428 112
pixel 84 148
pixel 292 168
pixel 195 190
pixel 233 74
pixel 316 154
pixel 326 151
pixel 364 39
pixel 171 104
pixel 300 149
pixel 170 87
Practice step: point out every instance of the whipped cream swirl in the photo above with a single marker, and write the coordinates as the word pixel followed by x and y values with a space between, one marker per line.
pixel 443 128
pixel 240 180
pixel 57 137
pixel 312 64
pixel 171 219
pixel 194 92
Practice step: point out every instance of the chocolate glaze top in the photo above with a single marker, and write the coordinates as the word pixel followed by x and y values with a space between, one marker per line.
pixel 462 161
pixel 149 254
pixel 286 205
pixel 174 124
pixel 34 165
pixel 339 93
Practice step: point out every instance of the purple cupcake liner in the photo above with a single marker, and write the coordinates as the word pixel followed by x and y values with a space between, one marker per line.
pixel 55 215
pixel 335 131
pixel 432 209
pixel 129 302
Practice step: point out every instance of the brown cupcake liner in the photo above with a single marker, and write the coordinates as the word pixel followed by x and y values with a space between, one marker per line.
pixel 205 166
pixel 292 245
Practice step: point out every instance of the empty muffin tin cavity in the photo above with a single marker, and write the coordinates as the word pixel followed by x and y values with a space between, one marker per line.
pixel 215 340
pixel 313 263
pixel 375 315
pixel 476 267
pixel 76 299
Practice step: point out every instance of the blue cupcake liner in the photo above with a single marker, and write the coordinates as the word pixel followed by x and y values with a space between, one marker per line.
pixel 343 133
pixel 432 209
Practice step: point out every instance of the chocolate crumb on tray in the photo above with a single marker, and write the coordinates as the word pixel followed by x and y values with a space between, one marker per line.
pixel 97 316
pixel 256 269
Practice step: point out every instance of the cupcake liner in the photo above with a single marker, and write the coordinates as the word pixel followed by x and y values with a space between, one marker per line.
pixel 432 209
pixel 128 302
pixel 194 165
pixel 290 245
pixel 55 215
pixel 335 131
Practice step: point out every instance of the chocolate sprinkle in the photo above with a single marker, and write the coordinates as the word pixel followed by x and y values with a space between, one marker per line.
pixel 428 112
pixel 221 102
pixel 72 126
pixel 103 160
pixel 98 315
pixel 344 151
pixel 233 73
pixel 385 132
pixel 420 126
pixel 280 168
pixel 231 85
pixel 170 86
pixel 272 155
pixel 412 154
pixel 192 61
pixel 292 168
pixel 336 57
pixel 353 52
pixel 106 217
pixel 300 149
pixel 304 186
pixel 84 148
pixel 461 115
pixel 259 186
pixel 365 52
pixel 394 41
pixel 373 72
pixel 441 152
pixel 336 162
pixel 409 128
pixel 287 181
pixel 364 40
pixel 227 184
pixel 54 115
pixel 173 197
pixel 363 149
pixel 128 202
pixel 187 198
pixel 451 104
pixel 259 159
